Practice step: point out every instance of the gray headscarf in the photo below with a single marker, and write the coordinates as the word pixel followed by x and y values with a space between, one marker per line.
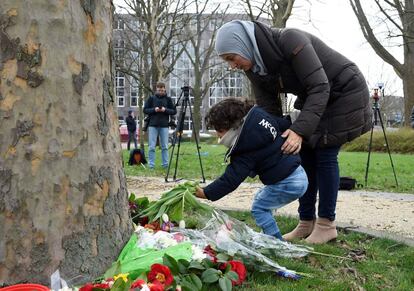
pixel 237 37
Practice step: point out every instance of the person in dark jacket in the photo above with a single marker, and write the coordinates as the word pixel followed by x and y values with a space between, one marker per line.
pixel 253 137
pixel 159 107
pixel 132 128
pixel 412 117
pixel 331 93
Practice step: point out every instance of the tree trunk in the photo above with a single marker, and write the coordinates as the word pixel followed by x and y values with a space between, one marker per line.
pixel 408 86
pixel 63 196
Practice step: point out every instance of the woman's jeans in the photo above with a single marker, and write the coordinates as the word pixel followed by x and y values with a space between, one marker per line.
pixel 321 166
pixel 275 196
pixel 153 133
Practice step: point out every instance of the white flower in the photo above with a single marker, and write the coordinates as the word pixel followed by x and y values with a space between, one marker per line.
pixel 198 254
pixel 66 288
pixel 165 217
pixel 145 288
pixel 181 224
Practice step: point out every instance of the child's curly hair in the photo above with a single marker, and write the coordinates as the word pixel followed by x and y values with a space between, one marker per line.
pixel 228 114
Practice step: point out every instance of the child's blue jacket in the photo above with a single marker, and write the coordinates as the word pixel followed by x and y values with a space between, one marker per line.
pixel 255 152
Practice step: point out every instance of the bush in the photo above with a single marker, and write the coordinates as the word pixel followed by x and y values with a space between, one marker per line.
pixel 399 141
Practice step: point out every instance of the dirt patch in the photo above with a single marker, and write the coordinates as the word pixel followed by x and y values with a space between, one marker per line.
pixel 390 212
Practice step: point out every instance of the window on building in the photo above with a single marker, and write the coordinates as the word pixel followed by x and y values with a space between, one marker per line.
pixel 119 24
pixel 120 95
pixel 120 79
pixel 134 96
pixel 230 85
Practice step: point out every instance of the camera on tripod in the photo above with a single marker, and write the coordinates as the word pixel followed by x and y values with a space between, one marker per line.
pixel 186 91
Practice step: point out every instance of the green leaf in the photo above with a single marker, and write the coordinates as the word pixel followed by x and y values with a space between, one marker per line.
pixel 171 263
pixel 183 266
pixel 187 284
pixel 121 285
pixel 222 257
pixel 208 263
pixel 176 212
pixel 132 197
pixel 196 265
pixel 142 202
pixel 196 281
pixel 210 276
pixel 225 284
pixel 233 276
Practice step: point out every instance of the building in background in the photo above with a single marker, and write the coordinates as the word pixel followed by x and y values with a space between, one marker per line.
pixel 233 84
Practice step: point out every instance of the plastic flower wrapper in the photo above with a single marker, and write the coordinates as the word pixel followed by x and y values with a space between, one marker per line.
pixel 235 238
pixel 146 248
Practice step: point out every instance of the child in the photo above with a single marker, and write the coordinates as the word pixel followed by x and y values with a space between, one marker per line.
pixel 253 137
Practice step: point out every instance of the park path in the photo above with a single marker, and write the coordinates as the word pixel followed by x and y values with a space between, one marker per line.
pixel 376 213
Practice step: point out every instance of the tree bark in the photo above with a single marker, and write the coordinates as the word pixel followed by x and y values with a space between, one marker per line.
pixel 63 196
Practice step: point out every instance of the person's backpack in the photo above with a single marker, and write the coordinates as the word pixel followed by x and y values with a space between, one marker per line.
pixel 347 183
pixel 137 157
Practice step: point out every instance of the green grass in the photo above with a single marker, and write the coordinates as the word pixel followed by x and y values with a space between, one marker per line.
pixel 372 264
pixel 351 164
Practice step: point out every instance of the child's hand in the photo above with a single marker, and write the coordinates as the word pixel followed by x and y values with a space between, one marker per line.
pixel 200 193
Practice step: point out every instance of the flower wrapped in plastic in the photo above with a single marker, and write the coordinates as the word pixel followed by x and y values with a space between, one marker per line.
pixel 255 249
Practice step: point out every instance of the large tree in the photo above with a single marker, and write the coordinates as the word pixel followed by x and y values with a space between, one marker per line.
pixel 199 50
pixel 397 17
pixel 63 196
pixel 276 11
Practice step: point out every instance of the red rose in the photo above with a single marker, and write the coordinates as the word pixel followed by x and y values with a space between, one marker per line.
pixel 161 274
pixel 138 283
pixel 238 268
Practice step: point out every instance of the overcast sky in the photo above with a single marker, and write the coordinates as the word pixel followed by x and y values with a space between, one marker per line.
pixel 335 23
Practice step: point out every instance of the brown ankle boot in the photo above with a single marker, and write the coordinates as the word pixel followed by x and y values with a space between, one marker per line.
pixel 302 230
pixel 324 231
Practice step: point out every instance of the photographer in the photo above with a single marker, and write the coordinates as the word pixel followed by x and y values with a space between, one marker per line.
pixel 159 107
pixel 331 93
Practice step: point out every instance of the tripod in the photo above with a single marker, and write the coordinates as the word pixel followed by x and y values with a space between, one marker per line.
pixel 178 133
pixel 377 114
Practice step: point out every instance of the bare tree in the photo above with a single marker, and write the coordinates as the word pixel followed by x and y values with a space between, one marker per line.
pixel 277 11
pixel 151 40
pixel 200 52
pixel 398 18
pixel 63 196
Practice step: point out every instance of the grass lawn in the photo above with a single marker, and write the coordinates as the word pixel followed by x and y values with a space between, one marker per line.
pixel 372 264
pixel 351 164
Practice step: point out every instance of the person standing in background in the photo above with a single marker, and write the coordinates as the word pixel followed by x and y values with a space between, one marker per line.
pixel 159 108
pixel 132 128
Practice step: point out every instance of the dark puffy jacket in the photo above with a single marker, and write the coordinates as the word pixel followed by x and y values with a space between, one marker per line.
pixel 131 124
pixel 159 119
pixel 257 151
pixel 332 93
pixel 412 117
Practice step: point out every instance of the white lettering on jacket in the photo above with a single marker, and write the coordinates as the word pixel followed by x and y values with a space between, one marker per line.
pixel 266 124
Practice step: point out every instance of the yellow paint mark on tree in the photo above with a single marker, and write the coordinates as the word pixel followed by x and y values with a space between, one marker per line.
pixel 8 102
pixel 74 66
pixel 69 154
pixel 92 31
pixel 12 12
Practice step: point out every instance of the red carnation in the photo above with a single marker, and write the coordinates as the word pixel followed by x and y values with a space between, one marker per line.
pixel 160 273
pixel 240 269
pixel 87 287
pixel 138 284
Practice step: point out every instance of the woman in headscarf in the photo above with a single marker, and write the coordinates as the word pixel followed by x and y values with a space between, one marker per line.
pixel 331 93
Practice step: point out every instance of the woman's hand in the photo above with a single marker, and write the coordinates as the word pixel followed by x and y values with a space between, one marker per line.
pixel 200 193
pixel 292 143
